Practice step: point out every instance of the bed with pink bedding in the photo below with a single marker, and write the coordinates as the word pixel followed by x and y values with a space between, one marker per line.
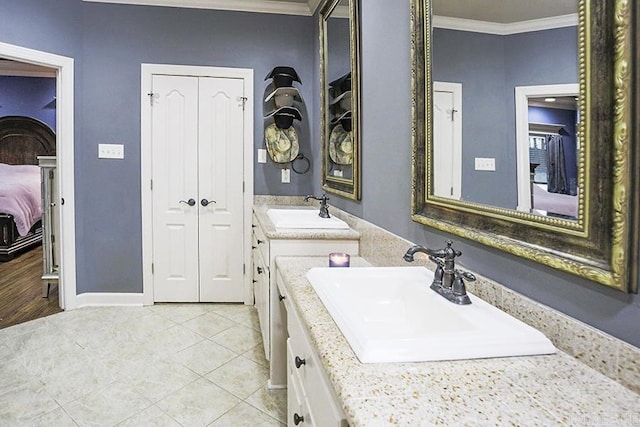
pixel 20 195
pixel 22 140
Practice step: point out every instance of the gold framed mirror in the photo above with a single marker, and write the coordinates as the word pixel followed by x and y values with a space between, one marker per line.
pixel 597 237
pixel 340 97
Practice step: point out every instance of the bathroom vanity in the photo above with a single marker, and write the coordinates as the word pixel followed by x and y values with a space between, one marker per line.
pixel 270 242
pixel 329 386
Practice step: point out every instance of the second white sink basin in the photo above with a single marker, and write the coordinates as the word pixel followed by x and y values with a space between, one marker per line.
pixel 389 314
pixel 303 218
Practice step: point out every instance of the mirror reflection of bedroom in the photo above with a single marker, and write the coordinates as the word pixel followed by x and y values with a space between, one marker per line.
pixel 553 154
pixel 28 253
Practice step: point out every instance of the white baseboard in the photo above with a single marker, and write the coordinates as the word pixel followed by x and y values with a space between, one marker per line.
pixel 92 299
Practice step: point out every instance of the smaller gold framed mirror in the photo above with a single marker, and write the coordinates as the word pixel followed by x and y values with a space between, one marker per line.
pixel 339 97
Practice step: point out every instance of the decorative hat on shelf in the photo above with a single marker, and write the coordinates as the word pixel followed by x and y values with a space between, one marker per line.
pixel 282 144
pixel 343 120
pixel 342 84
pixel 341 146
pixel 283 76
pixel 284 96
pixel 284 116
pixel 343 100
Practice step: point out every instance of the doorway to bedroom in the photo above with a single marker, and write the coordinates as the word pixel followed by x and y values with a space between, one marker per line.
pixel 28 250
pixel 56 177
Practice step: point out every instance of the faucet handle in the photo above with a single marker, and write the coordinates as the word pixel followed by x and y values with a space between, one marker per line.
pixel 458 288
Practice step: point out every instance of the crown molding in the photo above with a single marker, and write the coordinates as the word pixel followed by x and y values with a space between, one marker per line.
pixel 460 24
pixel 258 6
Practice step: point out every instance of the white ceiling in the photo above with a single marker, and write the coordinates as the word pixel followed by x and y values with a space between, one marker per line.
pixel 498 11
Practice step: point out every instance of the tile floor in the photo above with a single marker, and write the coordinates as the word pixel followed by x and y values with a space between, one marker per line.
pixel 162 365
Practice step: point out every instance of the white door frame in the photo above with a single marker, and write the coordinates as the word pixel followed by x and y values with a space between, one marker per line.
pixel 456 90
pixel 65 154
pixel 148 70
pixel 522 95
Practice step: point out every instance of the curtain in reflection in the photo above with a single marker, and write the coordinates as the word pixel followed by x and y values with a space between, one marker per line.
pixel 556 168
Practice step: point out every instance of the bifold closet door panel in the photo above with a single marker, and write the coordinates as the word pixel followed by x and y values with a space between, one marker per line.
pixel 175 186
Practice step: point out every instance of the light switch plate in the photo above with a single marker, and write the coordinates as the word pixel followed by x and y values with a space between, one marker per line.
pixel 286 176
pixel 110 151
pixel 485 164
pixel 262 155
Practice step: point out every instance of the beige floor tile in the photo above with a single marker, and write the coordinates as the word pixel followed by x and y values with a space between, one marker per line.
pixel 172 340
pixel 156 378
pixel 272 402
pixel 241 377
pixel 180 312
pixel 150 417
pixel 236 312
pixel 71 383
pixel 13 375
pixel 58 418
pixel 107 406
pixel 238 338
pixel 208 324
pixel 117 361
pixel 204 357
pixel 257 355
pixel 244 415
pixel 25 402
pixel 198 404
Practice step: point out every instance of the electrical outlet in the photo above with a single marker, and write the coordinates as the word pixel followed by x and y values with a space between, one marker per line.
pixel 286 176
pixel 262 155
pixel 110 151
pixel 485 164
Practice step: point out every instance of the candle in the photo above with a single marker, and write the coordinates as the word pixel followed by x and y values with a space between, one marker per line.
pixel 338 259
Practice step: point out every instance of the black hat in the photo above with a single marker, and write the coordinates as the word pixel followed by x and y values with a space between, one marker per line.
pixel 344 119
pixel 284 116
pixel 342 83
pixel 283 76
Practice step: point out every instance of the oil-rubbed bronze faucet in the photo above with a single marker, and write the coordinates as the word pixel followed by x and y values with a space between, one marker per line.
pixel 324 208
pixel 447 281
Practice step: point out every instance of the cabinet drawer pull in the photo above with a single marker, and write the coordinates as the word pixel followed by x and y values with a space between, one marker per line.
pixel 260 241
pixel 260 270
pixel 281 297
pixel 297 419
pixel 253 226
pixel 254 281
pixel 253 247
pixel 299 362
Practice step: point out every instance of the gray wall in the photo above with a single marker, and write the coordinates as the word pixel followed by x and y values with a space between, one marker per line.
pixel 386 98
pixel 117 39
pixel 489 68
pixel 108 43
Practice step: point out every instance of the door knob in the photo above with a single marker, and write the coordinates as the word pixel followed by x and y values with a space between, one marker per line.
pixel 205 202
pixel 191 202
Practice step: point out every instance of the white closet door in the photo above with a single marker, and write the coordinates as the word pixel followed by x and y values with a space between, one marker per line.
pixel 447 139
pixel 175 179
pixel 221 183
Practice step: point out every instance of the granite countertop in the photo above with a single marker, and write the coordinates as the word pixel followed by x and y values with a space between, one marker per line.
pixel 293 233
pixel 524 391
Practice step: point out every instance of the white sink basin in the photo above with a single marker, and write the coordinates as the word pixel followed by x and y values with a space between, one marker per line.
pixel 389 314
pixel 303 218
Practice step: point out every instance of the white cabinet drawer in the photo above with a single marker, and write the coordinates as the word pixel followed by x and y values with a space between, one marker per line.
pixel 304 364
pixel 260 241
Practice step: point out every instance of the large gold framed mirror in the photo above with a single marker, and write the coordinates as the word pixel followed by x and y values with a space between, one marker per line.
pixel 340 97
pixel 522 130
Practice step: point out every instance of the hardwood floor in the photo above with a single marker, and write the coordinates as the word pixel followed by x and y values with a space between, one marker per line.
pixel 21 290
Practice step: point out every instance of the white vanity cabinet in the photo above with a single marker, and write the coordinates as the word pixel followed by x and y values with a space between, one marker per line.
pixel 311 400
pixel 268 243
